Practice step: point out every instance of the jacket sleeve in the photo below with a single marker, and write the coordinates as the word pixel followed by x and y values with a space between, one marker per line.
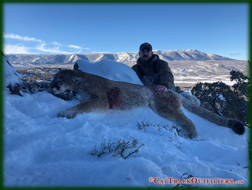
pixel 165 74
pixel 135 68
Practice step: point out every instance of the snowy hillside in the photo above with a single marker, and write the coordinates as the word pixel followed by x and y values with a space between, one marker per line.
pixel 10 74
pixel 42 150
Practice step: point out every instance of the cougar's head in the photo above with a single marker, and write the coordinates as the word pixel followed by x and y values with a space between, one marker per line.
pixel 64 81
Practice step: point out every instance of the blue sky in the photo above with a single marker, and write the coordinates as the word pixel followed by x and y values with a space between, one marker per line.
pixel 90 28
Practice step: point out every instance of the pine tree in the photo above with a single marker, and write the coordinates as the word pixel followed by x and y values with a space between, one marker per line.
pixel 242 83
pixel 230 102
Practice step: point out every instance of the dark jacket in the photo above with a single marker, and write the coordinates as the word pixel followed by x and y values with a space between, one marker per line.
pixel 155 66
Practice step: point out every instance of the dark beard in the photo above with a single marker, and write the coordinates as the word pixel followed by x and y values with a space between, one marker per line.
pixel 146 60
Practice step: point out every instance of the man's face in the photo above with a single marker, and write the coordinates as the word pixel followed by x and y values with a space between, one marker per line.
pixel 145 54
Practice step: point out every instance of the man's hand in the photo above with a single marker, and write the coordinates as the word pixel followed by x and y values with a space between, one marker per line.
pixel 160 88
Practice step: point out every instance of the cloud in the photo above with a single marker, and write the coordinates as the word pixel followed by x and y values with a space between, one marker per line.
pixel 41 47
pixel 56 43
pixel 76 47
pixel 16 49
pixel 26 38
pixel 234 54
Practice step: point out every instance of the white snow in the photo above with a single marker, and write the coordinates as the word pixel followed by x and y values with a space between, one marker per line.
pixel 221 97
pixel 110 69
pixel 34 60
pixel 178 79
pixel 10 74
pixel 42 150
pixel 230 83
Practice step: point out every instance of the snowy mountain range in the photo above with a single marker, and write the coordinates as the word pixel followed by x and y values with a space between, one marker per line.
pixel 188 66
pixel 126 58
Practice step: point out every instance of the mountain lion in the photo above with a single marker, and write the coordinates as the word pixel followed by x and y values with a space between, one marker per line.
pixel 99 94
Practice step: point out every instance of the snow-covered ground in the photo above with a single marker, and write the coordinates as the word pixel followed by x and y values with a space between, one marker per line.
pixel 191 81
pixel 43 150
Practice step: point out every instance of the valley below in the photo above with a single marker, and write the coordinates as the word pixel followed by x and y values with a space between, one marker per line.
pixel 186 73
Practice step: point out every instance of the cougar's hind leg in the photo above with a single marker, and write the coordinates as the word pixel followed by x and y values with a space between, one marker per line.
pixel 168 106
pixel 183 121
pixel 178 117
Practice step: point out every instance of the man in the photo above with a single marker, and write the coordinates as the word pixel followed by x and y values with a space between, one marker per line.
pixel 153 71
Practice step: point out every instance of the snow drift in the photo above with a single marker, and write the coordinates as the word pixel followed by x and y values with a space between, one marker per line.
pixel 10 74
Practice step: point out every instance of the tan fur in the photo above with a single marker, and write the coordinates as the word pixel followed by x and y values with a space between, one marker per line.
pixel 100 94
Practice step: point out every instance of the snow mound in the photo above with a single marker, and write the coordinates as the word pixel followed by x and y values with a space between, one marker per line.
pixel 110 70
pixel 10 74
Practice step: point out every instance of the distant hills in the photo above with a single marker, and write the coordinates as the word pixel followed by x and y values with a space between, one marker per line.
pixel 126 58
pixel 188 66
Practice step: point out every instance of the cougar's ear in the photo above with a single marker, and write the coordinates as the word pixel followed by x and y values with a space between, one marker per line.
pixel 76 80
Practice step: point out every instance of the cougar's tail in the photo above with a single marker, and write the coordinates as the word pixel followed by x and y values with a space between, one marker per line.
pixel 233 124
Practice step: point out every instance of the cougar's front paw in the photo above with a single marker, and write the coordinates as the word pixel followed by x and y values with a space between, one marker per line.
pixel 69 114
